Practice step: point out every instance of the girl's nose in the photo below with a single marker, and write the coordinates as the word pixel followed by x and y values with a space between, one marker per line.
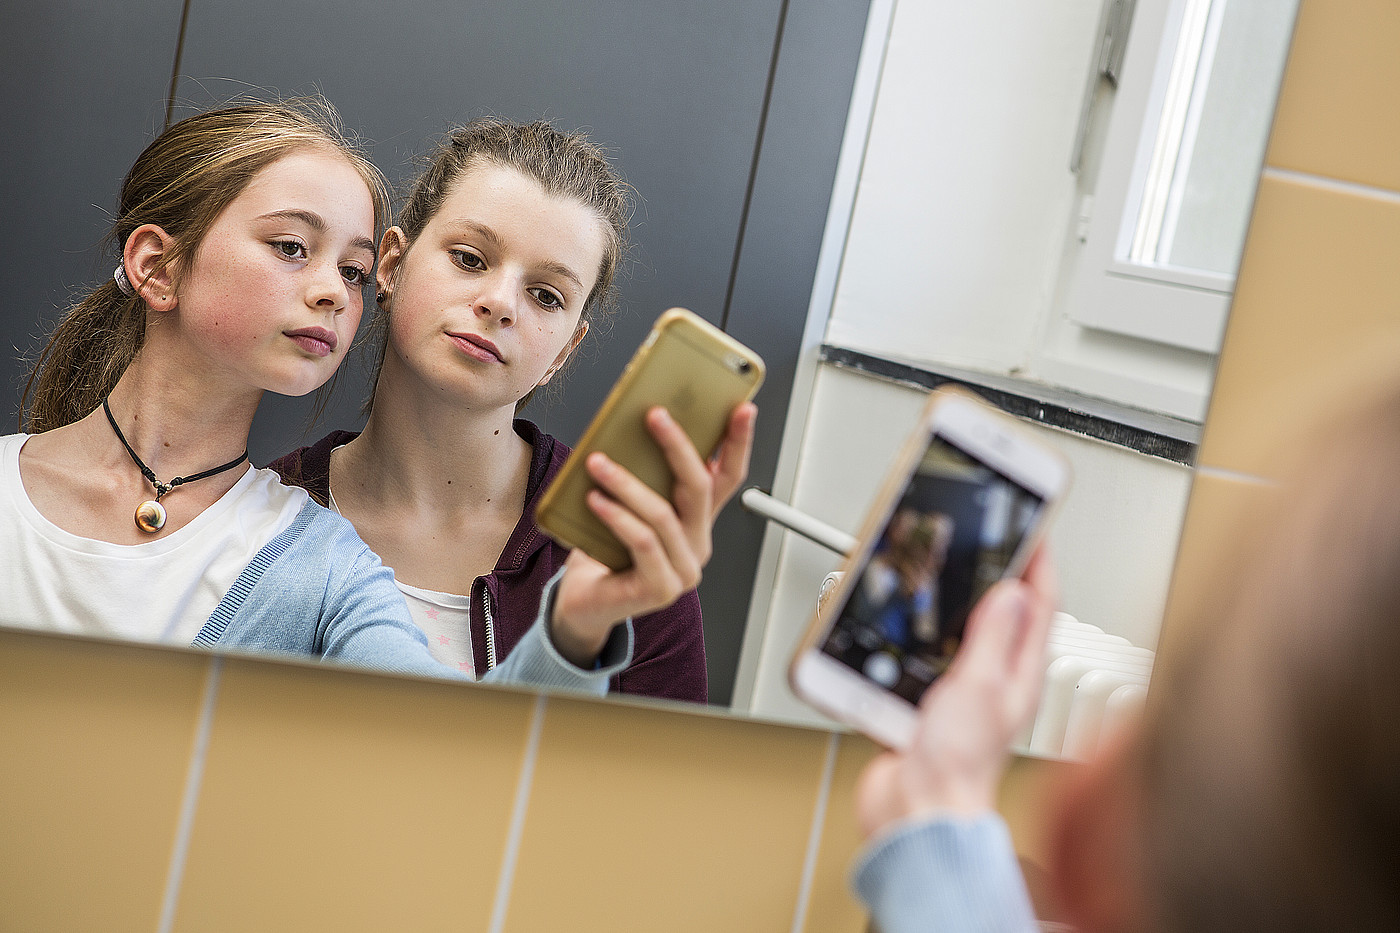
pixel 496 300
pixel 328 290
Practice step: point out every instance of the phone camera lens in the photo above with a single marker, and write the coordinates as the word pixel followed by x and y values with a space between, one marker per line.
pixel 744 366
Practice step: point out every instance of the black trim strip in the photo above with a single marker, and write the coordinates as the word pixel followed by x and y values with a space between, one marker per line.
pixel 753 167
pixel 175 68
pixel 1061 413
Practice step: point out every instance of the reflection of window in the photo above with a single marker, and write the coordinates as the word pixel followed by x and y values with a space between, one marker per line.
pixel 1180 162
pixel 1210 135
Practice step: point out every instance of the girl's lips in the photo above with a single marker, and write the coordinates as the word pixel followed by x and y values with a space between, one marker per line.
pixel 478 348
pixel 318 341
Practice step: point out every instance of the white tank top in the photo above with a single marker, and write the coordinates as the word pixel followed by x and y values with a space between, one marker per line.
pixel 162 590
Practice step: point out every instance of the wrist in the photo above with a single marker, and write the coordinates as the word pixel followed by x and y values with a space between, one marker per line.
pixel 964 799
pixel 579 644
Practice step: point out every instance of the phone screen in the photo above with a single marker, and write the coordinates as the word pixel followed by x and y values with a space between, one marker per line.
pixel 954 531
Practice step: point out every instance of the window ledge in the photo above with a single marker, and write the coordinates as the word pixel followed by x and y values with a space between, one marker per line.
pixel 1146 432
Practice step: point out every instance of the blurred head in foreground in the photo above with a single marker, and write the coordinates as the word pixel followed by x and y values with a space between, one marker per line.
pixel 1263 789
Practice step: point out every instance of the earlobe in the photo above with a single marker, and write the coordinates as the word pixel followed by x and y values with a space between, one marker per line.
pixel 146 258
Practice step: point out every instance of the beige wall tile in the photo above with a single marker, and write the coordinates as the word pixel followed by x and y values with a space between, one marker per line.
pixel 1025 788
pixel 1216 543
pixel 1026 800
pixel 646 819
pixel 95 741
pixel 1316 319
pixel 335 800
pixel 832 908
pixel 1339 108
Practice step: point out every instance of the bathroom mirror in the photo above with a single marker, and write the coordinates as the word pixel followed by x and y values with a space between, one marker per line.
pixel 730 119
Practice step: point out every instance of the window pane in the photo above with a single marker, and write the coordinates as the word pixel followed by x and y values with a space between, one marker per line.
pixel 1209 167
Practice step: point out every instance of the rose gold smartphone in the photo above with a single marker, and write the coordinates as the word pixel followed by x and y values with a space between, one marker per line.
pixel 696 372
pixel 964 506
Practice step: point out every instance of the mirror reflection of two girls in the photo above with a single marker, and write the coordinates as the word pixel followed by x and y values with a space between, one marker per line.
pixel 247 236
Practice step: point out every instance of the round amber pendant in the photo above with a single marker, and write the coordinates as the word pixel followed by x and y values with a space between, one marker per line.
pixel 150 516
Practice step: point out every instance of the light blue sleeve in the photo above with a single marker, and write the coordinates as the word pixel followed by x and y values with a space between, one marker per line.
pixel 365 622
pixel 316 589
pixel 947 875
pixel 537 662
pixel 369 626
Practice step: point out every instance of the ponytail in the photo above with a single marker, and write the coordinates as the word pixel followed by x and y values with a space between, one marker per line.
pixel 88 352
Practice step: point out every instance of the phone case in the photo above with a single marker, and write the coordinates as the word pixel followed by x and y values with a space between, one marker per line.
pixel 693 369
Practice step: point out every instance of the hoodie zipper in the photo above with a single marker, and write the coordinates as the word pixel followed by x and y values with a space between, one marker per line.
pixel 490 627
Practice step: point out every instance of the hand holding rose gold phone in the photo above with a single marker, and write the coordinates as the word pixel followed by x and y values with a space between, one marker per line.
pixel 964 507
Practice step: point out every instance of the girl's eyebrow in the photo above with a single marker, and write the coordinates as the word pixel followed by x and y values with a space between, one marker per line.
pixel 563 271
pixel 315 222
pixel 489 235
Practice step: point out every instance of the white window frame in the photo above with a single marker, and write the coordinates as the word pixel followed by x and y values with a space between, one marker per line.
pixel 1177 307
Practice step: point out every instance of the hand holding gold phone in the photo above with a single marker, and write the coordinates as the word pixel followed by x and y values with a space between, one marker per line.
pixel 689 367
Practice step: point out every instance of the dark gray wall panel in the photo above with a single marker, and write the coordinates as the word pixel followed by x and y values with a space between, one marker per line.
pixel 674 89
pixel 84 92
pixel 773 283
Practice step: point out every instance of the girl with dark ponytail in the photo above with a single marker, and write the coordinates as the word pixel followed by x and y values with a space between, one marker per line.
pixel 502 259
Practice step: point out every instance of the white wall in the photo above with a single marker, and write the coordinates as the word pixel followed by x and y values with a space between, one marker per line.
pixel 966 192
pixel 963 233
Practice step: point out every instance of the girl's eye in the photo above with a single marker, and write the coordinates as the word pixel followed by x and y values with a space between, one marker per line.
pixel 354 275
pixel 547 299
pixel 467 260
pixel 290 249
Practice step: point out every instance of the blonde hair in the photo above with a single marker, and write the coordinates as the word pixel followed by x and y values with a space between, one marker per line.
pixel 182 182
pixel 563 164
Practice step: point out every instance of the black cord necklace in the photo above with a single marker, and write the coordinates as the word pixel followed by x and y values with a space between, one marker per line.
pixel 150 515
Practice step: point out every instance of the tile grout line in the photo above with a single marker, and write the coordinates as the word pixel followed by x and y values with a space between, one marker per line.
pixel 517 817
pixel 814 837
pixel 194 777
pixel 1336 185
pixel 1234 476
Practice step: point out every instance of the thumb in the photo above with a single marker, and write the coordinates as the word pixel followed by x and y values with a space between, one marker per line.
pixel 995 626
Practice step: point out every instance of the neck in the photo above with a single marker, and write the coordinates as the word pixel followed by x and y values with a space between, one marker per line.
pixel 419 449
pixel 179 426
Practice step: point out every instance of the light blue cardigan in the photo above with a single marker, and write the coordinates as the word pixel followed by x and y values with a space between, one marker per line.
pixel 317 589
pixel 954 875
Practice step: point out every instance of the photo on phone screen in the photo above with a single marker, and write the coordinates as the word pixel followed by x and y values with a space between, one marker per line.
pixel 954 532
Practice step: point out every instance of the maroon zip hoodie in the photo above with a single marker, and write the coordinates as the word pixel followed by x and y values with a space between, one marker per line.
pixel 669 656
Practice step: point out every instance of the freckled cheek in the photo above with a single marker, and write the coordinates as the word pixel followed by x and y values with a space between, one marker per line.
pixel 233 334
pixel 410 324
pixel 399 331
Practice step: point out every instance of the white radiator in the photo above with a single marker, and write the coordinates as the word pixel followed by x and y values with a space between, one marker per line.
pixel 1093 683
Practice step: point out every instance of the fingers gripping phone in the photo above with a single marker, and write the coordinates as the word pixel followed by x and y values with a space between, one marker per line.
pixel 963 507
pixel 697 373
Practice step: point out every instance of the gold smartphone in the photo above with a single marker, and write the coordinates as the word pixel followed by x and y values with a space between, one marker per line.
pixel 696 372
